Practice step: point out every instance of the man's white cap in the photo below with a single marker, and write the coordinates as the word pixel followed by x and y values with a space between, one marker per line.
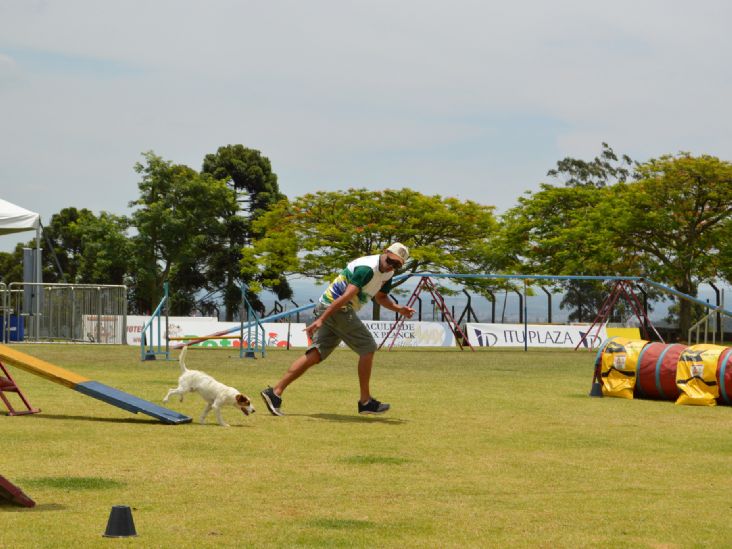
pixel 399 250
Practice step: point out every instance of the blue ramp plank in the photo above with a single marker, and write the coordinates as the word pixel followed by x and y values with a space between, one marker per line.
pixel 129 402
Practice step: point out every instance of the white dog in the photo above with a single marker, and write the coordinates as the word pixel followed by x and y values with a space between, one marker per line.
pixel 214 393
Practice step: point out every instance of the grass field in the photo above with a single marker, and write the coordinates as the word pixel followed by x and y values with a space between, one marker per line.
pixel 486 449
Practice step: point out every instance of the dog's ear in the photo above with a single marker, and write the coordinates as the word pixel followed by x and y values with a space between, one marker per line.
pixel 241 399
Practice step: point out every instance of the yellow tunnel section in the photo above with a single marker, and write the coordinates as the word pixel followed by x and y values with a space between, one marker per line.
pixel 698 375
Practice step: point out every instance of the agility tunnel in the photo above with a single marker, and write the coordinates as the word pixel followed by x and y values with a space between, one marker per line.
pixel 699 375
pixel 88 387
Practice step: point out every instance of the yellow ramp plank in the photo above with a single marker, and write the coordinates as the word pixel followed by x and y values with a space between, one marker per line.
pixel 40 367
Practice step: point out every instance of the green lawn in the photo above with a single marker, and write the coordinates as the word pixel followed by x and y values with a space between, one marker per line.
pixel 487 449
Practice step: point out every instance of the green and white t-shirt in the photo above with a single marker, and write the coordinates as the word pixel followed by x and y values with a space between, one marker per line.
pixel 362 272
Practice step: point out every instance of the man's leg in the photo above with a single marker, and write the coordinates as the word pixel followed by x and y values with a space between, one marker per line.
pixel 324 341
pixel 298 368
pixel 358 337
pixel 271 395
pixel 368 405
pixel 365 363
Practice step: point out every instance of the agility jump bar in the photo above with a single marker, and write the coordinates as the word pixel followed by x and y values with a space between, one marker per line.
pixel 89 387
pixel 243 326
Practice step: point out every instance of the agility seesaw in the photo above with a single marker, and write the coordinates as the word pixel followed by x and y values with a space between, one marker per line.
pixel 88 387
pixel 13 494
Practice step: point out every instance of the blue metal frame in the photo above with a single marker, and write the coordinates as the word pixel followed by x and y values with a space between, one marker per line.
pixel 148 351
pixel 639 279
pixel 525 277
pixel 247 325
pixel 259 343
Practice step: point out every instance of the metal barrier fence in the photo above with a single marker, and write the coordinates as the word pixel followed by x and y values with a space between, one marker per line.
pixel 709 328
pixel 89 313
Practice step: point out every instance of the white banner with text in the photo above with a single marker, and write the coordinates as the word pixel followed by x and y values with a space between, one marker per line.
pixel 275 333
pixel 411 334
pixel 535 335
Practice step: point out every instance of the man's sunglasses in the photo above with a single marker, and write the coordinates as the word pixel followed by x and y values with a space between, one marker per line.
pixel 393 263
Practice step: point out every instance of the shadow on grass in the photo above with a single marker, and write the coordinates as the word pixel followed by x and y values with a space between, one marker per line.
pixel 353 419
pixel 10 507
pixel 230 426
pixel 91 418
pixel 582 395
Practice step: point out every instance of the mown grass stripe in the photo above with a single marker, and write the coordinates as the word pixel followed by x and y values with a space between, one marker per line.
pixel 75 483
pixel 372 460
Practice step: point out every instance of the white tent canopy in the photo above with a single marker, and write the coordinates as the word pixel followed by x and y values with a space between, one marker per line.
pixel 14 219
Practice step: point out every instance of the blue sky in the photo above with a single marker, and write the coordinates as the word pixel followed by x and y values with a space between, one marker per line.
pixel 474 99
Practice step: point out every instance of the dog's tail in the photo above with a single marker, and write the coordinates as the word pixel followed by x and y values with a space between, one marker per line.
pixel 182 360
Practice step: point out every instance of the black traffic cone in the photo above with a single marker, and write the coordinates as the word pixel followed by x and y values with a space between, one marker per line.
pixel 120 523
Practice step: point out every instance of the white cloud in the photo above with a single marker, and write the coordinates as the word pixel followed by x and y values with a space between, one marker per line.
pixel 6 62
pixel 8 71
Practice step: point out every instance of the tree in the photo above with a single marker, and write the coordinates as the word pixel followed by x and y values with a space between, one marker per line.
pixel 725 251
pixel 605 169
pixel 569 231
pixel 65 240
pixel 11 265
pixel 586 297
pixel 565 231
pixel 83 247
pixel 250 175
pixel 669 224
pixel 89 249
pixel 180 222
pixel 249 171
pixel 106 250
pixel 317 234
pixel 678 216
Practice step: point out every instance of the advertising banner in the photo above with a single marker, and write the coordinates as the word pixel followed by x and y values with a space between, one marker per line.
pixel 538 335
pixel 275 333
pixel 102 328
pixel 413 334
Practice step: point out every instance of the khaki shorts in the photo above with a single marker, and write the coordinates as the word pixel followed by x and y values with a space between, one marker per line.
pixel 343 325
